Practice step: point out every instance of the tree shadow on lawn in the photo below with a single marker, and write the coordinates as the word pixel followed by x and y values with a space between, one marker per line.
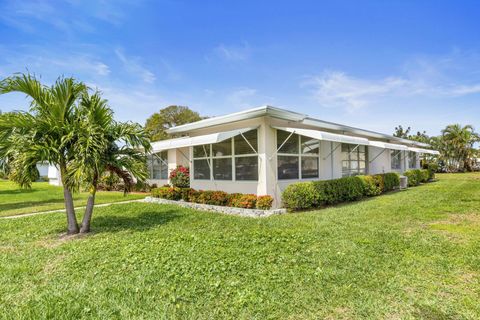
pixel 144 221
pixel 27 204
pixel 18 191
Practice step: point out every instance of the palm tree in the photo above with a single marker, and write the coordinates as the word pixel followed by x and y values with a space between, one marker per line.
pixel 106 146
pixel 458 144
pixel 44 134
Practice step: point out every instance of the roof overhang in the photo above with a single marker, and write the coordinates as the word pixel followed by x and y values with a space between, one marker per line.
pixel 385 145
pixel 239 116
pixel 327 136
pixel 196 141
pixel 427 151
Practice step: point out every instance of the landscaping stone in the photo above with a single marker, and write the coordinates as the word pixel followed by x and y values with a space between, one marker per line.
pixel 255 213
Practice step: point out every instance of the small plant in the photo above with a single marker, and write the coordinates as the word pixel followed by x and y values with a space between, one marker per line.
pixel 264 202
pixel 180 177
pixel 169 193
pixel 247 201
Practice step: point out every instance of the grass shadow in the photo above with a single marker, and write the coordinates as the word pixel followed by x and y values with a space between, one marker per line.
pixel 28 204
pixel 144 221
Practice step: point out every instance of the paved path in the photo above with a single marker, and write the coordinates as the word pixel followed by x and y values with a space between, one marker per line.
pixel 63 210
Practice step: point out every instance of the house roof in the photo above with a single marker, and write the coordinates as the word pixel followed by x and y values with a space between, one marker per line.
pixel 289 116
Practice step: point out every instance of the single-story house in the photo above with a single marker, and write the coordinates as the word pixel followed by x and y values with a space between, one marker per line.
pixel 262 150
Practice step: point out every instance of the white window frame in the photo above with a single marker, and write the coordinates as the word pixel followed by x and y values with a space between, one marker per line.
pixel 356 150
pixel 398 156
pixel 232 156
pixel 299 155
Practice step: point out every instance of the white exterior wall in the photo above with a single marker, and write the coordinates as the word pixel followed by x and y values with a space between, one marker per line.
pixel 54 177
pixel 43 169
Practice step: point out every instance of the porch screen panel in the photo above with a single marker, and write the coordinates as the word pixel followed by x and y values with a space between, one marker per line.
pixel 157 165
pixel 395 158
pixel 232 159
pixel 298 156
pixel 412 159
pixel 354 160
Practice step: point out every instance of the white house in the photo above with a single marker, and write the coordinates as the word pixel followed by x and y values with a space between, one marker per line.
pixel 264 149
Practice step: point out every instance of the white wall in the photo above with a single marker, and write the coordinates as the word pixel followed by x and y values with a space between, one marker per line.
pixel 378 160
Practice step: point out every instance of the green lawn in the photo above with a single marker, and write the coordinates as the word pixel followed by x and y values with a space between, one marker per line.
pixel 413 254
pixel 44 197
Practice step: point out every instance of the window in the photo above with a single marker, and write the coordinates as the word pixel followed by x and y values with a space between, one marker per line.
pixel 157 165
pixel 232 159
pixel 298 156
pixel 354 159
pixel 395 159
pixel 412 159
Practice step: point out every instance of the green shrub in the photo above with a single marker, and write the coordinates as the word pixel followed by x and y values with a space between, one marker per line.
pixel 169 193
pixel 264 202
pixel 370 185
pixel 432 168
pixel 414 176
pixel 247 201
pixel 340 190
pixel 392 181
pixel 217 198
pixel 424 175
pixel 185 193
pixel 300 196
pixel 379 182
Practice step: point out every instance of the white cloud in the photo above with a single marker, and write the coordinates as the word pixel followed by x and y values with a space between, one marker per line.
pixel 133 66
pixel 446 76
pixel 245 97
pixel 233 52
pixel 338 89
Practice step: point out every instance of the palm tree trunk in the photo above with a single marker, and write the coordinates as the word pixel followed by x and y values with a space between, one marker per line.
pixel 88 211
pixel 72 224
pixel 71 218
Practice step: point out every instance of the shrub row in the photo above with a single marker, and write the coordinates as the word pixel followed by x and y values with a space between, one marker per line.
pixel 217 198
pixel 417 176
pixel 313 194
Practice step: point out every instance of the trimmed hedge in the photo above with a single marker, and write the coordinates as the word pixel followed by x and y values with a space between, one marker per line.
pixel 314 194
pixel 417 176
pixel 217 198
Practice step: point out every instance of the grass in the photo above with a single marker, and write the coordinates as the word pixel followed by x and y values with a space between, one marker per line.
pixel 44 197
pixel 413 254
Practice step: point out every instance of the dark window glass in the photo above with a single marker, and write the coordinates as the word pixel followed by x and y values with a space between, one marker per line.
pixel 310 146
pixel 290 146
pixel 222 169
pixel 309 167
pixel 202 151
pixel 246 168
pixel 242 147
pixel 223 148
pixel 201 169
pixel 287 167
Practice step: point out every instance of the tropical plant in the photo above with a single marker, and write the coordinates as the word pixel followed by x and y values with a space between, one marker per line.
pixel 180 177
pixel 457 146
pixel 105 146
pixel 46 133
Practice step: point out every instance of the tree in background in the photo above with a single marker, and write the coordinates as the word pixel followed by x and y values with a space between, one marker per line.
pixel 457 144
pixel 169 117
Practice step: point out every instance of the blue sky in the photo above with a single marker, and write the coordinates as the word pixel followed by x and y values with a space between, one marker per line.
pixel 371 64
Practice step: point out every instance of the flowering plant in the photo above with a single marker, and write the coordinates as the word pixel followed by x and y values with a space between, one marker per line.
pixel 180 177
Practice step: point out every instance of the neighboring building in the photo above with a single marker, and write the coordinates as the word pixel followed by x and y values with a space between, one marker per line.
pixel 262 150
